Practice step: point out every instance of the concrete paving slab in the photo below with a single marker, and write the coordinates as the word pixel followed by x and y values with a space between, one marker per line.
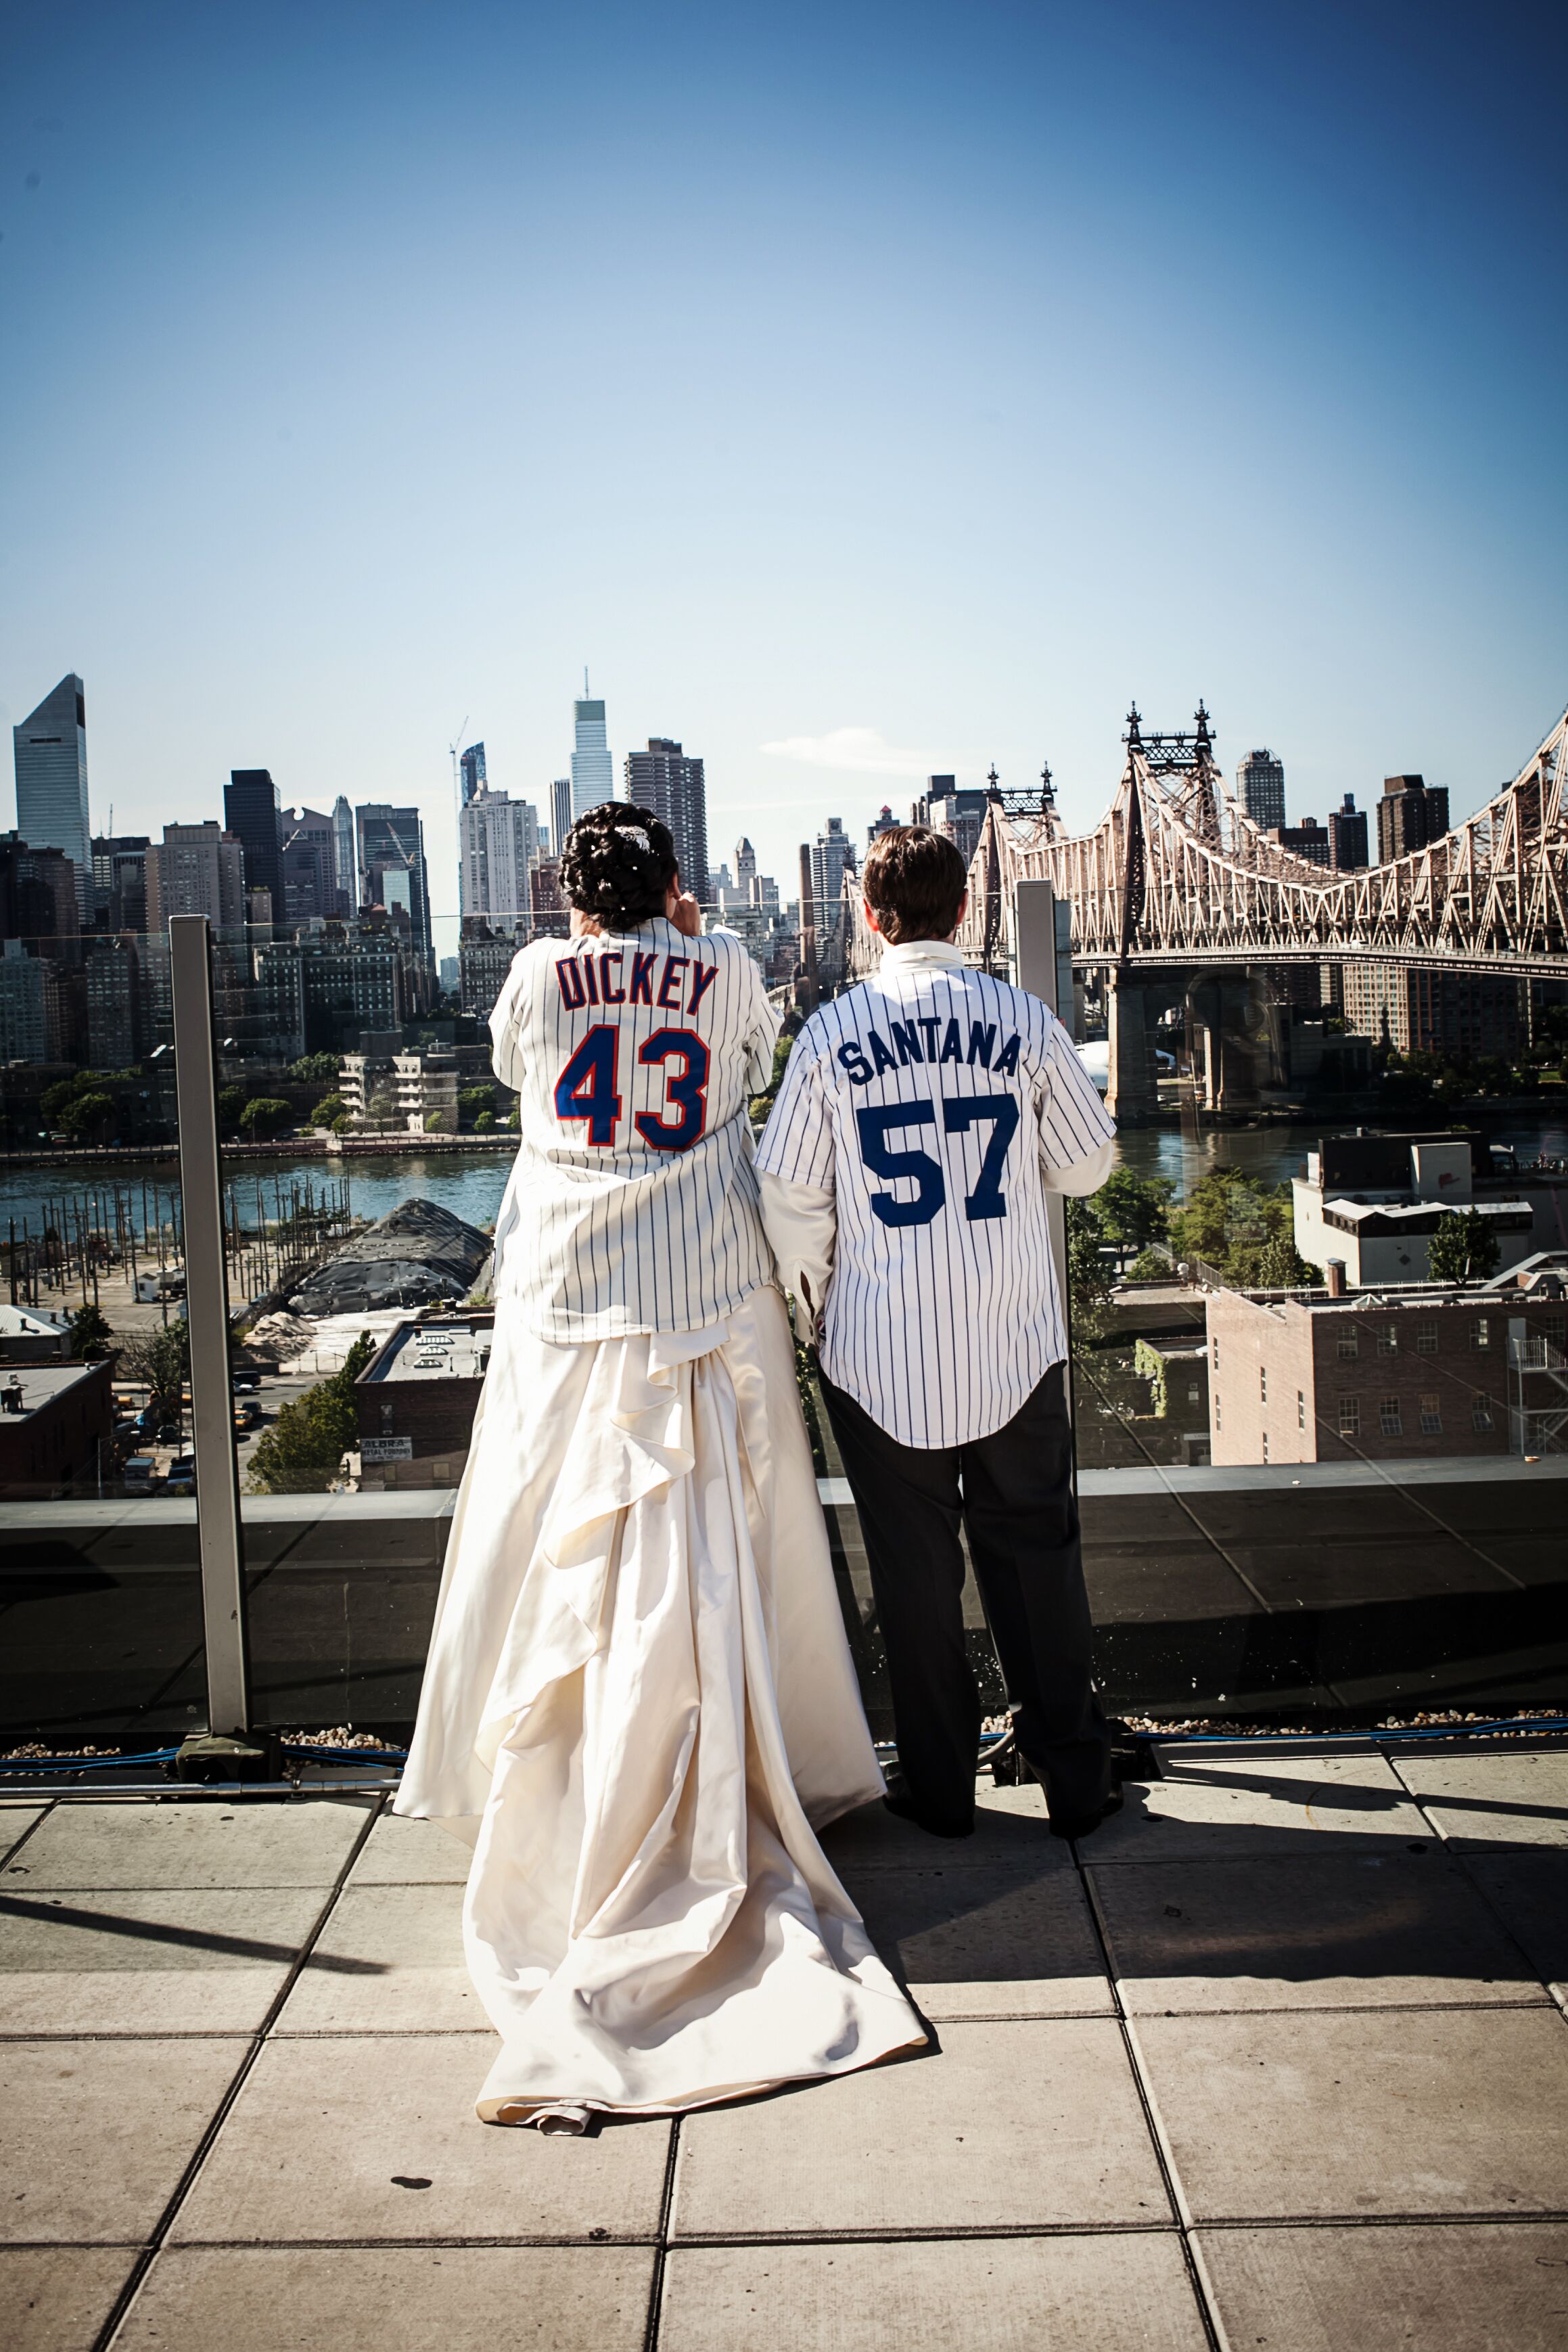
pixel 1491 2287
pixel 191 1844
pixel 1119 2292
pixel 365 2139
pixel 1354 2113
pixel 1009 1827
pixel 988 1941
pixel 16 1820
pixel 400 1852
pixel 1314 1930
pixel 389 1960
pixel 56 2298
pixel 1528 1889
pixel 392 2299
pixel 149 1960
pixel 1493 1799
pixel 1209 1810
pixel 95 2135
pixel 1011 2126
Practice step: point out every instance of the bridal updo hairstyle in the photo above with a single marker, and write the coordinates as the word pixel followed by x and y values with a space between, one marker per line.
pixel 618 866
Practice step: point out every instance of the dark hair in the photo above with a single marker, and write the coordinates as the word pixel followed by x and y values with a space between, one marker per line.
pixel 618 864
pixel 916 881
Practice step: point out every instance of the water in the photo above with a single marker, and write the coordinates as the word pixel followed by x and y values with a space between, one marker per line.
pixel 1272 1153
pixel 470 1186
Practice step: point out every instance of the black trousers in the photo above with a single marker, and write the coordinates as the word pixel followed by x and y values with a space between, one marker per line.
pixel 1013 1493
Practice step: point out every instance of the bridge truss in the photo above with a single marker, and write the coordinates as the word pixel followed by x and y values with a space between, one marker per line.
pixel 1176 873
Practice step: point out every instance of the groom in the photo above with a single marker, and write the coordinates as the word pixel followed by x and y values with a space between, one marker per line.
pixel 923 1117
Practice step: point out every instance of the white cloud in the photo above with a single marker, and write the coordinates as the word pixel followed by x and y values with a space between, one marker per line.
pixel 860 750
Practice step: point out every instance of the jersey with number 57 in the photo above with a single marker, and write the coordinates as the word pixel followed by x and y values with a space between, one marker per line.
pixel 937 1107
pixel 632 1202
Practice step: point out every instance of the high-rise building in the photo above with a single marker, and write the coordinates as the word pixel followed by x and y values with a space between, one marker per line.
pixel 392 841
pixel 196 869
pixel 592 771
pixel 113 1003
pixel 309 861
pixel 345 856
pixel 1347 837
pixel 559 815
pixel 33 1015
pixel 471 767
pixel 1260 788
pixel 37 894
pixel 1307 840
pixel 744 865
pixel 674 787
pixel 50 747
pixel 550 907
pixel 1410 814
pixel 885 822
pixel 120 881
pixel 498 845
pixel 252 813
pixel 961 815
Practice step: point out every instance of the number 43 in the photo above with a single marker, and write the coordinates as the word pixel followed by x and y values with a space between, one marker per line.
pixel 589 1087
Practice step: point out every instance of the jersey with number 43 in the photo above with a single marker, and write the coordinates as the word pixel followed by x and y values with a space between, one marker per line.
pixel 632 1203
pixel 934 1102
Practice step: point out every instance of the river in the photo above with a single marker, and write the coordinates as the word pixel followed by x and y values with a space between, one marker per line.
pixel 470 1186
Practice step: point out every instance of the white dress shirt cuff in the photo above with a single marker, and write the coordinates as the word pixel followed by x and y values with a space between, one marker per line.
pixel 801 1224
pixel 1084 1175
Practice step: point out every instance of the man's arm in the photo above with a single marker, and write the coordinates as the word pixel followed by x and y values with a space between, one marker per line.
pixel 1077 1135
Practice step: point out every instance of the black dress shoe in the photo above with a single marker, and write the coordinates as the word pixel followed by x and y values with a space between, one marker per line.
pixel 1089 1822
pixel 906 1810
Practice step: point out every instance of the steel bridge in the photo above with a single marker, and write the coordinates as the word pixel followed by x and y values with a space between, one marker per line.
pixel 1176 873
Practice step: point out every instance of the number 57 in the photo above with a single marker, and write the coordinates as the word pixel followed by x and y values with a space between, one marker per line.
pixel 959 1113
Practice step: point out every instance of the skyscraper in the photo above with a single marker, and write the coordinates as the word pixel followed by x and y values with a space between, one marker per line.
pixel 345 858
pixel 745 863
pixel 498 843
pixel 310 865
pixel 1347 837
pixel 1410 814
pixel 120 881
pixel 50 748
pixel 592 772
pixel 392 840
pixel 559 813
pixel 665 780
pixel 1261 787
pixel 196 869
pixel 471 768
pixel 251 810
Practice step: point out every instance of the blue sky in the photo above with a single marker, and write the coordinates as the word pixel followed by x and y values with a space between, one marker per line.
pixel 941 376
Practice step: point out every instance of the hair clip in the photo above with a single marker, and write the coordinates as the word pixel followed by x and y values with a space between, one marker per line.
pixel 634 833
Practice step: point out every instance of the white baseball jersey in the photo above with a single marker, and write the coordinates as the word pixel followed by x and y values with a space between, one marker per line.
pixel 938 1105
pixel 632 1202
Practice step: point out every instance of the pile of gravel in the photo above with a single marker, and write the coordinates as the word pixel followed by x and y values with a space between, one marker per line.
pixel 419 1255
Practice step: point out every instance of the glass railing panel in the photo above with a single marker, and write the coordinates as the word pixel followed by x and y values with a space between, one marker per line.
pixel 99 1577
pixel 1321 1411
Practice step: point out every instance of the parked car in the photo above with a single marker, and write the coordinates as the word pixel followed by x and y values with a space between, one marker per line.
pixel 171 1433
pixel 181 1478
pixel 244 1381
pixel 247 1415
pixel 139 1474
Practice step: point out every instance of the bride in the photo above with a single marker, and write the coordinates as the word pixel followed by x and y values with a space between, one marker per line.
pixel 638 1704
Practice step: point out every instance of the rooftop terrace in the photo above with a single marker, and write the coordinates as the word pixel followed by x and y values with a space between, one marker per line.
pixel 1279 2058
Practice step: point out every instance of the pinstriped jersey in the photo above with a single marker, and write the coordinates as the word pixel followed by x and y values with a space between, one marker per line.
pixel 632 1202
pixel 933 1101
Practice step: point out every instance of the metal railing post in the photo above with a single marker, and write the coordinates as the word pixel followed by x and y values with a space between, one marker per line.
pixel 1034 936
pixel 218 1527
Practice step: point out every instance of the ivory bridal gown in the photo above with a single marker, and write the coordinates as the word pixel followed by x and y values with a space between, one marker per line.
pixel 640 1708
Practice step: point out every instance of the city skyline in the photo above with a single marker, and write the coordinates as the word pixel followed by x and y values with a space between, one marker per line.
pixel 902 507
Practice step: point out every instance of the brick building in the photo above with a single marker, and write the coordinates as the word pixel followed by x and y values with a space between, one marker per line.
pixel 1380 1377
pixel 416 1400
pixel 57 1428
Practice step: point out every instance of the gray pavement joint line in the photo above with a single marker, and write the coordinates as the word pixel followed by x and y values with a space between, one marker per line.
pixel 1558 1997
pixel 1164 2155
pixel 661 2241
pixel 187 2182
pixel 13 1850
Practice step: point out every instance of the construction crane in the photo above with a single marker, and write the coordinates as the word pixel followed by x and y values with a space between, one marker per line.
pixel 452 749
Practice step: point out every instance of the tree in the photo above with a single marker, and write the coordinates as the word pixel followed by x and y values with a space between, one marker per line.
pixel 437 1123
pixel 313 1070
pixel 90 1334
pixel 327 1111
pixel 1131 1210
pixel 763 1103
pixel 382 1105
pixel 1242 1229
pixel 309 1438
pixel 230 1102
pixel 264 1115
pixel 162 1359
pixel 485 1123
pixel 1463 1248
pixel 473 1102
pixel 1088 1283
pixel 91 1118
pixel 343 1124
